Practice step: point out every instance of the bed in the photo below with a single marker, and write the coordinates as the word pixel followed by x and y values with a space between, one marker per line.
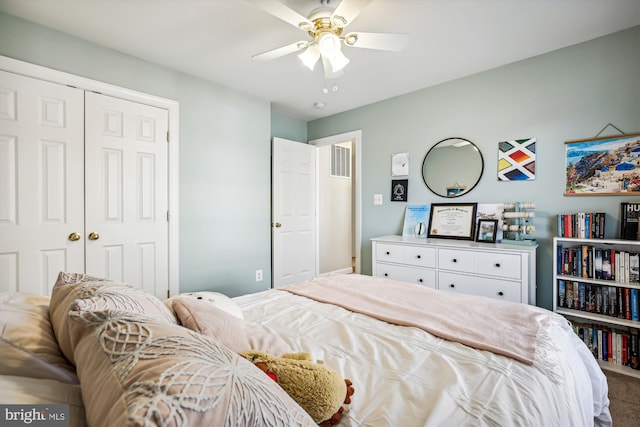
pixel 404 373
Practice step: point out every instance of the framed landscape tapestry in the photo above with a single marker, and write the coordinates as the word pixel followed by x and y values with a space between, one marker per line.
pixel 603 166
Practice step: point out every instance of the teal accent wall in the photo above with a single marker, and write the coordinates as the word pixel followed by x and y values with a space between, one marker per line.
pixel 563 95
pixel 288 128
pixel 224 163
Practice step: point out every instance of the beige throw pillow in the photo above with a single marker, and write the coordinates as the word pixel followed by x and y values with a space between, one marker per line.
pixel 28 346
pixel 137 371
pixel 207 319
pixel 80 292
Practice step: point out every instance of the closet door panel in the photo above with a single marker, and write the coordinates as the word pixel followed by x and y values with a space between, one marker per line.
pixel 126 195
pixel 41 183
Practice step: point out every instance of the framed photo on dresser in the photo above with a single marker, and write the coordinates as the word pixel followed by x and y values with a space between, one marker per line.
pixel 487 230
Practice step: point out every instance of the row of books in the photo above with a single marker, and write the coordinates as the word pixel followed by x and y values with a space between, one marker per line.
pixel 582 225
pixel 614 301
pixel 591 262
pixel 611 345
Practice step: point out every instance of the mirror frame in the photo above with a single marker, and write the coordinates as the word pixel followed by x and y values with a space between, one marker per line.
pixel 464 192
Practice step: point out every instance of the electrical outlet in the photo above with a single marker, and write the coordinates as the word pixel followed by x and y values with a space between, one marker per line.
pixel 258 275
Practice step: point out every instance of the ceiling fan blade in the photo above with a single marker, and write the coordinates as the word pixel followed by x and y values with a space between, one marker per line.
pixel 347 11
pixel 280 11
pixel 380 41
pixel 281 51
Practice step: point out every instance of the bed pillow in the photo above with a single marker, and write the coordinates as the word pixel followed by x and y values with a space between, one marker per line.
pixel 80 292
pixel 217 299
pixel 28 346
pixel 19 390
pixel 138 371
pixel 209 320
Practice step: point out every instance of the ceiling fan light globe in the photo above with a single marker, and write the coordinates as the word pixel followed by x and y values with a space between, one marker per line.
pixel 310 56
pixel 329 45
pixel 338 61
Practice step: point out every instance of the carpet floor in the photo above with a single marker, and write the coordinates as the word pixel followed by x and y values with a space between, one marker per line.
pixel 624 396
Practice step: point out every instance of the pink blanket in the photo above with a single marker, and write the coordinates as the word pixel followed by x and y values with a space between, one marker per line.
pixel 505 328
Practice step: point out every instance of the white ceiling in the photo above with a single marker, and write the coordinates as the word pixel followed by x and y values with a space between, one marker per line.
pixel 215 39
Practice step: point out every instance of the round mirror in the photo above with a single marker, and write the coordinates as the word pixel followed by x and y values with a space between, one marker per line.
pixel 452 167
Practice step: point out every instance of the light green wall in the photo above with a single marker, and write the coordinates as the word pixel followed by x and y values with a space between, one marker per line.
pixel 288 128
pixel 224 164
pixel 563 95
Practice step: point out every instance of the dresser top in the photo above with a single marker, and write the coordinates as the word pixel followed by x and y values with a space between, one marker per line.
pixel 453 243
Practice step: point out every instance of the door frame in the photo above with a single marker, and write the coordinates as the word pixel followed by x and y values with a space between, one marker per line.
pixel 173 107
pixel 356 137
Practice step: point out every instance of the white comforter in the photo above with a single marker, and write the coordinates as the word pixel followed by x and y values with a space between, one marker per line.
pixel 406 377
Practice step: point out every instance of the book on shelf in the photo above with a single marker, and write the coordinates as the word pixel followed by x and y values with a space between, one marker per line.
pixel 581 225
pixel 618 346
pixel 592 262
pixel 629 214
pixel 612 301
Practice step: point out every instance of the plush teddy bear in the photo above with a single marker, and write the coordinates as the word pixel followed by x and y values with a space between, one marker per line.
pixel 319 390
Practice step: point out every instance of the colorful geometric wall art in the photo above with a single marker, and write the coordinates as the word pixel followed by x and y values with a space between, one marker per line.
pixel 517 160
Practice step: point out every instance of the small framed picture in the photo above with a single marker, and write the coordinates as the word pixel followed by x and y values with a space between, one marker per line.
pixel 487 230
pixel 399 189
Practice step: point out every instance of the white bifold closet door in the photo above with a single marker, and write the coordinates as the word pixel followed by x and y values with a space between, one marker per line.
pixel 83 187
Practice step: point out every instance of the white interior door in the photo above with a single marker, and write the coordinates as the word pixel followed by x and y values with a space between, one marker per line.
pixel 41 183
pixel 293 211
pixel 126 196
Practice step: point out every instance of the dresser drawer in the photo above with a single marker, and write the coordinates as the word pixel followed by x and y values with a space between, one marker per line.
pixel 482 286
pixel 419 276
pixel 422 257
pixel 388 253
pixel 463 261
pixel 499 265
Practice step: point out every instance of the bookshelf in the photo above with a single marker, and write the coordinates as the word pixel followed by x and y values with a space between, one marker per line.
pixel 592 307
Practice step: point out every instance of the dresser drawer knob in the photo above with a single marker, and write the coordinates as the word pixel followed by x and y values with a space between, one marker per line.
pixel 388 253
pixel 451 285
pixel 454 260
pixel 418 256
pixel 500 293
pixel 497 265
pixel 420 280
pixel 386 274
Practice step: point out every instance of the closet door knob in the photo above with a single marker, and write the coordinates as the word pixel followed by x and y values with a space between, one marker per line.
pixel 74 237
pixel 94 236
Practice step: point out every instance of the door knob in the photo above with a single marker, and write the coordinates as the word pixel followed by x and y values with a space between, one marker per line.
pixel 94 236
pixel 74 236
pixel 277 225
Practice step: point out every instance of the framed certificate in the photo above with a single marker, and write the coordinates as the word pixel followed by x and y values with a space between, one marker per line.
pixel 452 220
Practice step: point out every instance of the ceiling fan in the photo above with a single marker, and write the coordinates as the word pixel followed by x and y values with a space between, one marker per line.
pixel 325 25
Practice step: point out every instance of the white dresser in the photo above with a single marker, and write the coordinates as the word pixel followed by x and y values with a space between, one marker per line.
pixel 499 271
